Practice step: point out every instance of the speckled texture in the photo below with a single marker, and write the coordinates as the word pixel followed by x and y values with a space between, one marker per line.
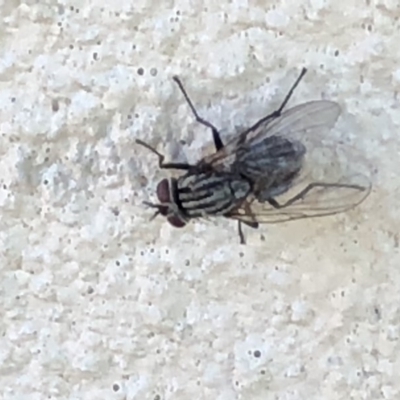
pixel 98 303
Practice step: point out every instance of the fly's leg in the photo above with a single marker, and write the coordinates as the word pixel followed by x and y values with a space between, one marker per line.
pixel 278 112
pixel 216 136
pixel 161 164
pixel 241 234
pixel 307 189
pixel 252 224
pixel 292 89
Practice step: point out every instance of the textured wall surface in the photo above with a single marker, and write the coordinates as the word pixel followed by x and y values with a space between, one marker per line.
pixel 96 302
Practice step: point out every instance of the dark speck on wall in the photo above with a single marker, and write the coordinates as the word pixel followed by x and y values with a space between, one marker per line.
pixel 257 353
pixel 115 387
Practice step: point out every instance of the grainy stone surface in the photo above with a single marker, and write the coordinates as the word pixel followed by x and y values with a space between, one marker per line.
pixel 98 303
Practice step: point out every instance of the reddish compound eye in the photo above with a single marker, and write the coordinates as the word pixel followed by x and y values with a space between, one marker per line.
pixel 163 191
pixel 175 221
pixel 163 195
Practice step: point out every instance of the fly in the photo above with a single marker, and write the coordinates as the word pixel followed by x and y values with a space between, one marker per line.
pixel 272 172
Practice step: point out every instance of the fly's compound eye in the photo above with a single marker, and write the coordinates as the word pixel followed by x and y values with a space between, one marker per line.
pixel 175 221
pixel 163 193
pixel 164 197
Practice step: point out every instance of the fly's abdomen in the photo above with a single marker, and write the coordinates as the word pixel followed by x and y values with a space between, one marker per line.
pixel 272 154
pixel 211 194
pixel 271 164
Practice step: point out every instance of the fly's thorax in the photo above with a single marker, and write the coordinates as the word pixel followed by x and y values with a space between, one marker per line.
pixel 203 194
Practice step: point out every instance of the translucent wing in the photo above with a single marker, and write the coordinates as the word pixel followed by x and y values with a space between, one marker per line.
pixel 298 168
pixel 303 123
pixel 315 199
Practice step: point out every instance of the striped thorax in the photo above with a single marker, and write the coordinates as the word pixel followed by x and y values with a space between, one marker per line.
pixel 200 195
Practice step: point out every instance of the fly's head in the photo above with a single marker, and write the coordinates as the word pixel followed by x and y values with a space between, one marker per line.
pixel 168 207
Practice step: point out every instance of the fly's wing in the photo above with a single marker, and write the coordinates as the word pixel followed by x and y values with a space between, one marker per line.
pixel 301 123
pixel 317 199
pixel 295 162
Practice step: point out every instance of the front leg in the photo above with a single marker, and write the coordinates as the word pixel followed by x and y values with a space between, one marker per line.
pixel 161 163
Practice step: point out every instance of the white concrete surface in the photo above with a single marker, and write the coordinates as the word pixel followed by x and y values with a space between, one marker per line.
pixel 98 303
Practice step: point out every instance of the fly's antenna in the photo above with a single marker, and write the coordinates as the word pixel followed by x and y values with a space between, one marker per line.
pixel 152 205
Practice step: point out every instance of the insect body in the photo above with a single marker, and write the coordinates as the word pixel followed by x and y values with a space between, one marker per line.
pixel 200 195
pixel 275 171
pixel 271 164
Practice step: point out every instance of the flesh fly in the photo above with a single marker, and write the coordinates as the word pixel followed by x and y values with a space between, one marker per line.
pixel 285 167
